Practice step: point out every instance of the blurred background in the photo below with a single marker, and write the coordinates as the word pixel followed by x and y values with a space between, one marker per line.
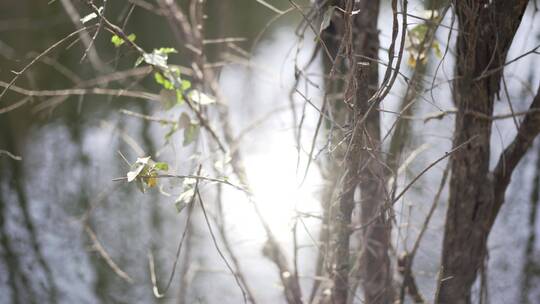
pixel 65 224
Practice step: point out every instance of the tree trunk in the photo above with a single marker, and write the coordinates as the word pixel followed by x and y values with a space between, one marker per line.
pixel 486 32
pixel 376 274
pixel 350 37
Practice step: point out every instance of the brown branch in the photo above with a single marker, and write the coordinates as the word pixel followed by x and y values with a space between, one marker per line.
pixel 411 183
pixel 512 155
pixel 440 115
pixel 148 117
pixel 388 82
pixel 204 122
pixel 114 28
pixel 177 19
pixel 38 57
pixel 68 92
pixel 75 18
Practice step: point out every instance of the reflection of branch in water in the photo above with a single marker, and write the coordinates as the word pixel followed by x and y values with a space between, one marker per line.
pixel 18 178
pixel 12 262
pixel 103 253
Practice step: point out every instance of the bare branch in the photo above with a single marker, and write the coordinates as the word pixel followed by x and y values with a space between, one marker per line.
pixel 512 155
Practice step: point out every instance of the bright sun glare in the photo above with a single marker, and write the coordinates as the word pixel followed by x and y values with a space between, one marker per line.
pixel 278 192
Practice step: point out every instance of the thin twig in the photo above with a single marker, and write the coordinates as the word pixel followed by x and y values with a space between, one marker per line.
pixel 153 278
pixel 244 295
pixel 415 179
pixel 147 117
pixel 38 57
pixel 197 177
pixel 10 155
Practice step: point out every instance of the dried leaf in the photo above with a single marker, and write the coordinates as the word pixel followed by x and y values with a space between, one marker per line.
pixel 184 199
pixel 137 168
pixel 327 18
pixel 201 98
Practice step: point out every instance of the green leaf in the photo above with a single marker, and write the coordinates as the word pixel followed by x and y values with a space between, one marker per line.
pixel 167 50
pixel 174 79
pixel 159 78
pixel 164 82
pixel 190 134
pixel 186 84
pixel 161 166
pixel 117 41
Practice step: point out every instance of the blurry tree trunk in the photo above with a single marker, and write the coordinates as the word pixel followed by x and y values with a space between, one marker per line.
pixel 486 30
pixel 350 37
pixel 331 165
pixel 375 270
pixel 401 142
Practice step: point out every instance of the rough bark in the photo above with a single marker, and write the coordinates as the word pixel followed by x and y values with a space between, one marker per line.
pixel 486 30
pixel 331 37
pixel 376 274
pixel 353 38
